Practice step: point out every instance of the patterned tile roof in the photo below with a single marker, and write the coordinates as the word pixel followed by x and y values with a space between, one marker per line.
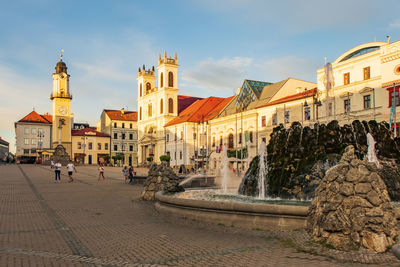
pixel 88 132
pixel 201 110
pixel 35 117
pixel 121 115
pixel 289 98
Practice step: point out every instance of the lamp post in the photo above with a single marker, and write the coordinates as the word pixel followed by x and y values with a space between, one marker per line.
pixel 316 103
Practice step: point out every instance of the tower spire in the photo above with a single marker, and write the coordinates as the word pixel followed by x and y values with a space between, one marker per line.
pixel 61 54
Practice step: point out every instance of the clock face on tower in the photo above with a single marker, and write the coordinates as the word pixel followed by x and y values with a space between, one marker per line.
pixel 62 110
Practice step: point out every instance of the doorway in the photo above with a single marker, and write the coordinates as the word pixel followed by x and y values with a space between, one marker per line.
pixel 90 159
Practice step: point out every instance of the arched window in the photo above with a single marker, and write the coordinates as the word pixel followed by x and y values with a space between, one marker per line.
pixel 162 80
pixel 140 113
pixel 230 141
pixel 148 88
pixel 150 110
pixel 161 106
pixel 140 89
pixel 170 79
pixel 170 105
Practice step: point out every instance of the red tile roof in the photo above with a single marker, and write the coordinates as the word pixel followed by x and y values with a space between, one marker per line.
pixel 185 101
pixel 289 98
pixel 117 115
pixel 37 118
pixel 88 132
pixel 201 110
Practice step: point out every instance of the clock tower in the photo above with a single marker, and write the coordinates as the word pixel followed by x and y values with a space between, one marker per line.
pixel 62 118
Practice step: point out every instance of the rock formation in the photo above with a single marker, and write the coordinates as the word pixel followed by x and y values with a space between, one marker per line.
pixel 160 178
pixel 352 208
pixel 298 157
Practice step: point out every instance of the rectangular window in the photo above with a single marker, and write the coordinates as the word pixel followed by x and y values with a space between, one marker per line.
pixel 181 135
pixel 251 137
pixel 213 141
pixel 130 136
pixel 123 125
pixel 176 136
pixel 220 141
pixel 130 125
pixel 33 141
pixel 287 116
pixel 40 131
pixel 98 146
pixel 307 113
pixel 26 141
pixel 106 146
pixel 346 78
pixel 330 109
pixel 26 130
pixel 346 103
pixel 115 147
pixel 367 101
pixel 115 136
pixel 394 98
pixel 263 121
pixel 79 145
pixel 167 137
pixel 180 154
pixel 131 148
pixel 240 138
pixel 194 136
pixel 115 125
pixel 275 119
pixel 26 151
pixel 123 136
pixel 367 73
pixel 33 131
pixel 90 146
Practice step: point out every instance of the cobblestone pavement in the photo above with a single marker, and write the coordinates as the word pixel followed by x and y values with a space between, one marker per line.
pixel 86 223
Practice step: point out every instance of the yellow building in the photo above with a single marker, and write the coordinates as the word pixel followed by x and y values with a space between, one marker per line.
pixel 62 117
pixel 89 146
pixel 122 127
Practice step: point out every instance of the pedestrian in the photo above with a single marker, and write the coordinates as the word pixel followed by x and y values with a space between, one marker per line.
pixel 131 173
pixel 52 164
pixel 125 171
pixel 57 171
pixel 70 168
pixel 101 172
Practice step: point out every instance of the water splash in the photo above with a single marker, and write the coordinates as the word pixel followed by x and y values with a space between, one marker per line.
pixel 262 172
pixel 371 150
pixel 225 169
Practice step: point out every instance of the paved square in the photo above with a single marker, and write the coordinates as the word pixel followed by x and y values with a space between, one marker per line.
pixel 86 223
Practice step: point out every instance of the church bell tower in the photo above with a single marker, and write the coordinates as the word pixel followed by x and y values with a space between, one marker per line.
pixel 62 118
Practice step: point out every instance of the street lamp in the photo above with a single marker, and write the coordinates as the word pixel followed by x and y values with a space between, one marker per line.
pixel 316 103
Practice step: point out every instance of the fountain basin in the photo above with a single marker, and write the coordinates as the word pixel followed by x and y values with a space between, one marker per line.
pixel 238 214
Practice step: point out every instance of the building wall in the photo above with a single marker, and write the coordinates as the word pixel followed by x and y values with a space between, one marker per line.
pixel 124 146
pixel 88 145
pixel 28 132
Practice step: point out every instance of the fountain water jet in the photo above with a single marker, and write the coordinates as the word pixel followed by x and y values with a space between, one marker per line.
pixel 224 169
pixel 371 150
pixel 262 172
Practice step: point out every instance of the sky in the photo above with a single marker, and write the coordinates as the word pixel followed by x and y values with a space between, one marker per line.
pixel 219 44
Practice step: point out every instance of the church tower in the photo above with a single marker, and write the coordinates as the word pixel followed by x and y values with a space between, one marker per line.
pixel 168 83
pixel 62 118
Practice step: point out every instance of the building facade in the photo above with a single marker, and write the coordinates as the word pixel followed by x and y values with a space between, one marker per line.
pixel 157 105
pixel 90 146
pixel 33 134
pixel 4 149
pixel 122 127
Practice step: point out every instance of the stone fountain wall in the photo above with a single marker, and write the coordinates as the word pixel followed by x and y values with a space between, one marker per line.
pixel 298 157
pixel 160 178
pixel 351 207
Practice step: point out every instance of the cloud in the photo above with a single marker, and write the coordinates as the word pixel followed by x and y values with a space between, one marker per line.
pixel 217 75
pixel 395 24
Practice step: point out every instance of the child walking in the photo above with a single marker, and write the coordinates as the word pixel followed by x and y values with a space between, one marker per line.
pixel 125 173
pixel 101 172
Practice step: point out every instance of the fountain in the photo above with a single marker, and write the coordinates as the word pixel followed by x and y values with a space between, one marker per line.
pixel 296 160
pixel 371 150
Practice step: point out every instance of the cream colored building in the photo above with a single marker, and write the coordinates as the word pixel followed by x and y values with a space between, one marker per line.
pixel 121 126
pixel 157 105
pixel 89 146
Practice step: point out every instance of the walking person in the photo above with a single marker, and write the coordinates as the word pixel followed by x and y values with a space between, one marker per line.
pixel 57 171
pixel 52 164
pixel 125 172
pixel 70 168
pixel 101 172
pixel 131 173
